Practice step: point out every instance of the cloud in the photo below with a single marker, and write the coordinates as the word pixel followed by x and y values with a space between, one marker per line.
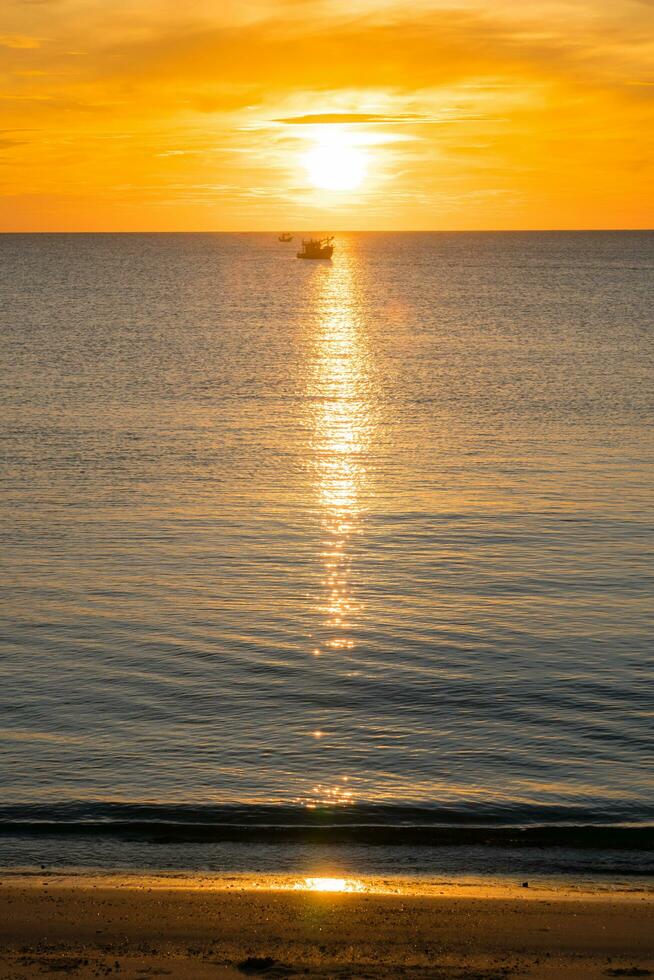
pixel 19 41
pixel 271 56
pixel 250 63
pixel 546 102
pixel 339 118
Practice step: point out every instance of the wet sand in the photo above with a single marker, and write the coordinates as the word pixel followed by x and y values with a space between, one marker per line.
pixel 145 927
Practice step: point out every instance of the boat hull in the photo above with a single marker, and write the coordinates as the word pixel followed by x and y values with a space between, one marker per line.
pixel 324 253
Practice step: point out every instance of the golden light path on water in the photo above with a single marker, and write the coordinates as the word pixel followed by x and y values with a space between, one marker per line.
pixel 342 433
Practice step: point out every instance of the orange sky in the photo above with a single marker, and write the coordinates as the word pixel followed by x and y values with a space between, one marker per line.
pixel 169 115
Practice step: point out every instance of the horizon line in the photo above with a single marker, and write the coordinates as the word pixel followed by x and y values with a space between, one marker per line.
pixel 340 231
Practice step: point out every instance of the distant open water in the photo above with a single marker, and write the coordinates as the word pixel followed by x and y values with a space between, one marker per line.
pixel 290 548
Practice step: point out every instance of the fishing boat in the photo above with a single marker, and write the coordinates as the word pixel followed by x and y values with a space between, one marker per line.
pixel 285 237
pixel 316 248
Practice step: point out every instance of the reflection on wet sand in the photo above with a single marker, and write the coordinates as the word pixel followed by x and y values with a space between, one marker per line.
pixel 330 885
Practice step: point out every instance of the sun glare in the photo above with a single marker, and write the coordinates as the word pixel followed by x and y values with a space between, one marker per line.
pixel 334 164
pixel 330 885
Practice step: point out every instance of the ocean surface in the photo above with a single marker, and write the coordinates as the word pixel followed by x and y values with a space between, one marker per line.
pixel 360 544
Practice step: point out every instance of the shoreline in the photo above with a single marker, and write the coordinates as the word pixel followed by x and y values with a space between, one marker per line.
pixel 328 880
pixel 200 925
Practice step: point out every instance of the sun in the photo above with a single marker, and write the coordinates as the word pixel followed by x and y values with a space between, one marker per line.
pixel 333 164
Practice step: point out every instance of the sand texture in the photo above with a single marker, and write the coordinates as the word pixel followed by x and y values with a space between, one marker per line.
pixel 132 929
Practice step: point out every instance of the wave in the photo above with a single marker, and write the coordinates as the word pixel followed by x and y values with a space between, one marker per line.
pixel 535 826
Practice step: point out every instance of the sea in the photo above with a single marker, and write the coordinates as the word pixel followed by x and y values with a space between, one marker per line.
pixel 340 563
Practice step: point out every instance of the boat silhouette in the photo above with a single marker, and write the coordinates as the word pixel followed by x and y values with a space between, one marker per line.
pixel 316 248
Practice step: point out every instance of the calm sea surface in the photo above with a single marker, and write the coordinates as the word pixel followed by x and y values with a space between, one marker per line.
pixel 369 535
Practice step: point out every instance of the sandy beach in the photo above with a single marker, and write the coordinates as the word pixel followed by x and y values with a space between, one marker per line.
pixel 140 927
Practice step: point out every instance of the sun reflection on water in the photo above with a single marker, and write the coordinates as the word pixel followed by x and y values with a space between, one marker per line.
pixel 341 437
pixel 342 431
